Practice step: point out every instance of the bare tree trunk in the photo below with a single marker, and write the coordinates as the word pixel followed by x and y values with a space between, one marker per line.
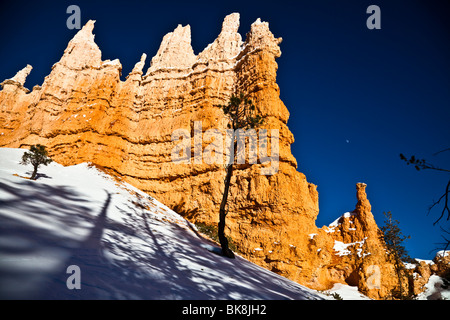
pixel 222 212
pixel 34 174
pixel 222 215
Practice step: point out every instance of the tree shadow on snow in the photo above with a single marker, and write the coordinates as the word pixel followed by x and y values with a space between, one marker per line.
pixel 143 258
pixel 31 217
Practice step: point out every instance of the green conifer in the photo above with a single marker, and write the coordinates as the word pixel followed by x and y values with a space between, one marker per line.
pixel 38 155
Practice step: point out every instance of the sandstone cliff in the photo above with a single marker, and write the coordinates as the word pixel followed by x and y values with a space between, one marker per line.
pixel 83 112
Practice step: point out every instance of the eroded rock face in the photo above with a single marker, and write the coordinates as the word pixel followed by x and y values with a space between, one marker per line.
pixel 359 254
pixel 22 75
pixel 84 113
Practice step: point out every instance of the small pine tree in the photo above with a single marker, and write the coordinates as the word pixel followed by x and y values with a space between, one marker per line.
pixel 336 296
pixel 394 238
pixel 38 155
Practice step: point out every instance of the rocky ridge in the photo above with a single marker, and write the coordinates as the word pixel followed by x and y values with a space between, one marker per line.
pixel 83 112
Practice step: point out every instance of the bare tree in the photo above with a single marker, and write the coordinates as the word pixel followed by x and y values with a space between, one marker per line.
pixel 241 113
pixel 422 164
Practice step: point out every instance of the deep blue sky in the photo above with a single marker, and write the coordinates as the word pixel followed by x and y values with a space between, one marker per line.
pixel 357 97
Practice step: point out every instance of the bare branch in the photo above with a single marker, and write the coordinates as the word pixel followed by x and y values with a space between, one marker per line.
pixel 446 207
pixel 435 154
pixel 421 163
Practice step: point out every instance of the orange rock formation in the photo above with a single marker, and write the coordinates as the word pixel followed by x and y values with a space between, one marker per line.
pixel 83 112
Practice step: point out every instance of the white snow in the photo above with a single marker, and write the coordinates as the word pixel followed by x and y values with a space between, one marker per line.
pixel 341 248
pixel 115 62
pixel 443 253
pixel 408 265
pixel 434 290
pixel 335 223
pixel 426 261
pixel 346 292
pixel 127 244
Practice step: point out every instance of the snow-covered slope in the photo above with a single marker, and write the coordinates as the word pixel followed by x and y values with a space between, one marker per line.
pixel 126 244
pixel 434 290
